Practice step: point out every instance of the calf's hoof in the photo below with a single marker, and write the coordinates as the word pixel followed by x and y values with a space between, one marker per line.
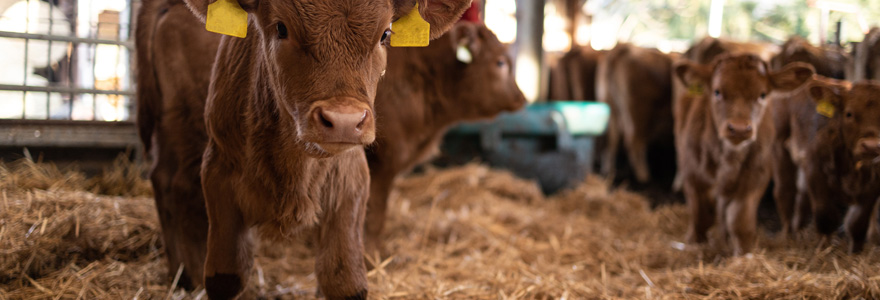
pixel 223 286
pixel 185 281
pixel 856 247
pixel 362 295
pixel 693 238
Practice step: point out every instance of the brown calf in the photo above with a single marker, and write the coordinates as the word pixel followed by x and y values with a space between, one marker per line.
pixel 792 205
pixel 636 84
pixel 423 93
pixel 832 134
pixel 288 111
pixel 707 49
pixel 573 77
pixel 724 143
pixel 705 52
pixel 867 57
pixel 829 62
pixel 172 87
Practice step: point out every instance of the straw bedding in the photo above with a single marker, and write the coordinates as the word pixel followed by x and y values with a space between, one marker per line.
pixel 462 233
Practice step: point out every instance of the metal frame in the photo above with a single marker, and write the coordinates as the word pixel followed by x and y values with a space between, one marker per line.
pixel 22 132
pixel 125 31
pixel 61 38
pixel 58 133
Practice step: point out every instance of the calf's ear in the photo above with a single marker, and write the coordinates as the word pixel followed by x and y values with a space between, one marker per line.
pixel 822 91
pixel 465 34
pixel 200 7
pixel 792 76
pixel 695 76
pixel 441 14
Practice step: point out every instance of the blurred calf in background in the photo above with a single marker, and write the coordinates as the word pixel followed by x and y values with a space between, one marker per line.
pixel 725 141
pixel 465 75
pixel 867 57
pixel 636 83
pixel 789 192
pixel 833 142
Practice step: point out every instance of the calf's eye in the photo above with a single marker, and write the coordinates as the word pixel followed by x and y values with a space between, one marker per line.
pixel 282 30
pixel 849 114
pixel 385 36
pixel 763 95
pixel 718 94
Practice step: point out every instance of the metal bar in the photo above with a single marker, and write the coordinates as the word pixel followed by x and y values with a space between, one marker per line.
pixel 61 89
pixel 59 38
pixel 70 80
pixel 49 60
pixel 529 56
pixel 71 58
pixel 69 134
pixel 24 81
pixel 94 55
pixel 94 107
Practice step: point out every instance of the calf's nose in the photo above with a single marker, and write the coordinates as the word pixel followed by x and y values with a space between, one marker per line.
pixel 740 129
pixel 346 124
pixel 871 146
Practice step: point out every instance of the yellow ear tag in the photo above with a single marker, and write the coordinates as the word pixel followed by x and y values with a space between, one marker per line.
pixel 411 30
pixel 695 89
pixel 227 17
pixel 825 108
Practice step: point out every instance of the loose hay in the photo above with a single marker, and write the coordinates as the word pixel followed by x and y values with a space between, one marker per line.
pixel 467 232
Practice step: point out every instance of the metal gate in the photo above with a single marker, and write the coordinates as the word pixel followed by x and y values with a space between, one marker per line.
pixel 66 76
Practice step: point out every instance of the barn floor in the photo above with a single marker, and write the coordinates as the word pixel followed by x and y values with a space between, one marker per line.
pixel 466 232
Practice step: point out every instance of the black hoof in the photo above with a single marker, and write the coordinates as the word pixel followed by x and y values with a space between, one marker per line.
pixel 362 295
pixel 856 247
pixel 223 286
pixel 185 282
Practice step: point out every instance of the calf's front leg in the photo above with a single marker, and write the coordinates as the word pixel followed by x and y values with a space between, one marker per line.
pixel 699 201
pixel 742 222
pixel 857 220
pixel 381 184
pixel 802 206
pixel 229 259
pixel 785 188
pixel 340 261
pixel 822 201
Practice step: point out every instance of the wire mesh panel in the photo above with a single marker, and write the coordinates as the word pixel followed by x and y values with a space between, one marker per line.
pixel 66 60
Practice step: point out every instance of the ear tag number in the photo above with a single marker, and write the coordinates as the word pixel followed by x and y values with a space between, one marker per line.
pixel 825 108
pixel 463 54
pixel 227 17
pixel 411 30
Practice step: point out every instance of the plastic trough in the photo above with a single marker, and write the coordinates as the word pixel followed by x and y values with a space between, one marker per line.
pixel 549 142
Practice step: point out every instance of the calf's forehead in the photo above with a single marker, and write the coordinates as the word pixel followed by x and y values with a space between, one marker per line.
pixel 741 78
pixel 865 98
pixel 329 28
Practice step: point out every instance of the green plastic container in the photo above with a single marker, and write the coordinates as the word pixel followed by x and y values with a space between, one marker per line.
pixel 552 143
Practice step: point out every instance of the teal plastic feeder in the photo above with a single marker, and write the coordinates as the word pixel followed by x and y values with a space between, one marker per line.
pixel 549 142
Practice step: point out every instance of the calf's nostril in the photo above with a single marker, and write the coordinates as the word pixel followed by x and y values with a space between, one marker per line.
pixel 362 121
pixel 323 119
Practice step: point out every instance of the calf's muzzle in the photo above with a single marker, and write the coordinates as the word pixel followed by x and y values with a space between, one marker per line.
pixel 870 147
pixel 739 131
pixel 342 121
